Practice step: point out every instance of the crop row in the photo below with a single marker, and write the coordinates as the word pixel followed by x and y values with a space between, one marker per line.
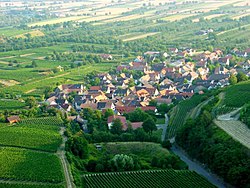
pixel 26 165
pixel 30 185
pixel 43 121
pixel 237 130
pixel 30 136
pixel 147 179
pixel 237 95
pixel 182 111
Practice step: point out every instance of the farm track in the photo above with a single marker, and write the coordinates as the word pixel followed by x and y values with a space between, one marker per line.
pixel 61 154
pixel 197 110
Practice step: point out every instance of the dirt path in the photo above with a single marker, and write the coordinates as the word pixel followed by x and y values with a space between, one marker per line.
pixel 61 154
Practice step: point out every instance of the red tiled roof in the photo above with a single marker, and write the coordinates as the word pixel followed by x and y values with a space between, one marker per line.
pixel 136 125
pixel 95 88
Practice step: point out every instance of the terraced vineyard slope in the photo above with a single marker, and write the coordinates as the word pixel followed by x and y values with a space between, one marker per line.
pixel 147 179
pixel 236 129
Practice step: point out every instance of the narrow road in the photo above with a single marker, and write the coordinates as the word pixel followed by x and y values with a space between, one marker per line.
pixel 165 126
pixel 198 168
pixel 61 154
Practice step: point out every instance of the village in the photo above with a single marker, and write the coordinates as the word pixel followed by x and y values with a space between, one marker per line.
pixel 146 82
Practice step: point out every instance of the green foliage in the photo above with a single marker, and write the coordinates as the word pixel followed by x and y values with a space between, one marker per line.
pixel 148 179
pixel 21 164
pixel 245 115
pixel 149 125
pixel 116 127
pixel 78 146
pixel 121 162
pixel 233 79
pixel 241 77
pixel 210 145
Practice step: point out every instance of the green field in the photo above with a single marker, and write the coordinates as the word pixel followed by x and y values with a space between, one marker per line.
pixel 21 164
pixel 147 179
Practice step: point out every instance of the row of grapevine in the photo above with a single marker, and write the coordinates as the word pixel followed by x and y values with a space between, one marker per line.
pixel 30 185
pixel 43 121
pixel 26 165
pixel 147 179
pixel 237 130
pixel 34 137
pixel 181 114
pixel 237 95
pixel 11 104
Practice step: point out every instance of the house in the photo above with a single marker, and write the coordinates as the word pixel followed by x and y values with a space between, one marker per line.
pixel 173 50
pixel 13 119
pixel 224 61
pixel 69 88
pixel 106 56
pixel 121 118
pixel 136 125
pixel 152 54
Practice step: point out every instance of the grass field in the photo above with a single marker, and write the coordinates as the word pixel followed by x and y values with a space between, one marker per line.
pixel 57 20
pixel 35 33
pixel 177 17
pixel 21 164
pixel 139 36
pixel 147 179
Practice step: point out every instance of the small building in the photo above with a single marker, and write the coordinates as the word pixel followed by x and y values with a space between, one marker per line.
pixel 13 119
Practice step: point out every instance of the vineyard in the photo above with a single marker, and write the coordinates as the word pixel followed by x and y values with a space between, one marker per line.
pixel 22 185
pixel 237 95
pixel 237 130
pixel 146 179
pixel 25 165
pixel 30 136
pixel 181 114
pixel 11 104
pixel 43 121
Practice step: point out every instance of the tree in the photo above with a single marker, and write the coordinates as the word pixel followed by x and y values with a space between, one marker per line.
pixel 116 127
pixel 108 112
pixel 149 125
pixel 78 146
pixel 233 79
pixel 121 162
pixel 153 103
pixel 34 64
pixel 31 102
pixel 241 77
